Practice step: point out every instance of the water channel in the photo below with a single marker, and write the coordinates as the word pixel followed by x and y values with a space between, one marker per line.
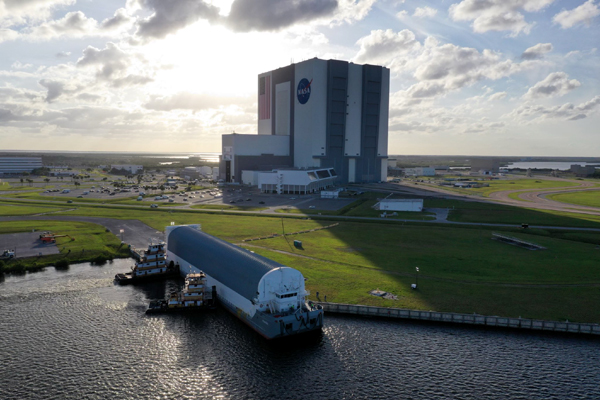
pixel 74 335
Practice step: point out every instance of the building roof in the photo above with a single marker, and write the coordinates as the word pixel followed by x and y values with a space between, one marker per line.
pixel 237 268
pixel 401 200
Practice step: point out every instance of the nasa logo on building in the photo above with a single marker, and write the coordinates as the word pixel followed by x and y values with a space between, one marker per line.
pixel 304 90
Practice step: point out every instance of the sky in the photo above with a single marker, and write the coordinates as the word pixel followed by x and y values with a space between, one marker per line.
pixel 468 77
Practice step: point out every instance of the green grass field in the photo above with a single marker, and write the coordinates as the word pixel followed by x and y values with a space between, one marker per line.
pixel 14 210
pixel 350 284
pixel 512 184
pixel 584 198
pixel 226 207
pixel 461 268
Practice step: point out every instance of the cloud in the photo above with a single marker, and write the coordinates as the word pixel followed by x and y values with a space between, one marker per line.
pixel 8 34
pixel 189 101
pixel 497 96
pixel 268 15
pixel 73 24
pixel 57 88
pixel 19 65
pixel 452 67
pixel 497 15
pixel 425 12
pixel 582 14
pixel 120 20
pixel 113 65
pixel 382 46
pixel 63 54
pixel 537 51
pixel 18 12
pixel 565 111
pixel 555 84
pixel 169 16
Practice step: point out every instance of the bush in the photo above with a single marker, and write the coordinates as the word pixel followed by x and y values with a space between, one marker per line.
pixel 99 260
pixel 61 264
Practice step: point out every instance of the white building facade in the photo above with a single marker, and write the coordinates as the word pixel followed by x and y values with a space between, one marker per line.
pixel 317 114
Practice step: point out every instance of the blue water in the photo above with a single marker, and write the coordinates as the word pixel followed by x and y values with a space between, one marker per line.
pixel 74 335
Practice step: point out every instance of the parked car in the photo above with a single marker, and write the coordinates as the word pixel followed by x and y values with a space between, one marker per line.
pixel 153 205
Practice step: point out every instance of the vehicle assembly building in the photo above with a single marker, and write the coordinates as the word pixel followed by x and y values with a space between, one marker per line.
pixel 267 296
pixel 315 115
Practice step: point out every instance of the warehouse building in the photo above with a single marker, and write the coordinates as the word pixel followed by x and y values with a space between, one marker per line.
pixel 317 114
pixel 19 165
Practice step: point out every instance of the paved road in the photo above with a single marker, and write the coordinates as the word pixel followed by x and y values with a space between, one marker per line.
pixel 26 244
pixel 135 232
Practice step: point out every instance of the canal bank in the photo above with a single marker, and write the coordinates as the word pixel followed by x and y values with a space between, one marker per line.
pixel 457 318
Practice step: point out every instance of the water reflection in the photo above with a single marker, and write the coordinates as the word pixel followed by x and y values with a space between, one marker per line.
pixel 74 335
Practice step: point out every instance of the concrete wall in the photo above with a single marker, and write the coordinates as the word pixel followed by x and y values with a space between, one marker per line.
pixel 353 117
pixel 310 118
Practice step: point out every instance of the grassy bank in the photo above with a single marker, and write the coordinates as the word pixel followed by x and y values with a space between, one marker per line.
pixel 583 198
pixel 85 242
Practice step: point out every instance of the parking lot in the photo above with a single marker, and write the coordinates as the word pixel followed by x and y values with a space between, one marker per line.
pixel 221 196
pixel 26 244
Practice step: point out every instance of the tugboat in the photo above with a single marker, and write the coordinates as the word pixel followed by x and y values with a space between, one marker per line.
pixel 150 265
pixel 194 296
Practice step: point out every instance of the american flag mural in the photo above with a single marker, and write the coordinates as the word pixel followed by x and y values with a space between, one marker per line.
pixel 264 97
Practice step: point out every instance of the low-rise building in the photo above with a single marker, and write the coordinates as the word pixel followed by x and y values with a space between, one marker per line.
pixel 19 165
pixel 585 170
pixel 133 169
pixel 296 181
pixel 419 171
pixel 415 205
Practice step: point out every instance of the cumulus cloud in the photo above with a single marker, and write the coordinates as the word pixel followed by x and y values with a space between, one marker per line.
pixel 425 12
pixel 56 88
pixel 497 96
pixel 169 16
pixel 567 111
pixel 73 24
pixel 497 15
pixel 382 46
pixel 555 84
pixel 17 12
pixel 537 51
pixel 582 14
pixel 450 67
pixel 267 15
pixel 402 14
pixel 113 65
pixel 120 20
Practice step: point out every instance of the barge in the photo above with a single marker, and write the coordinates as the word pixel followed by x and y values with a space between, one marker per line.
pixel 150 265
pixel 267 296
pixel 195 296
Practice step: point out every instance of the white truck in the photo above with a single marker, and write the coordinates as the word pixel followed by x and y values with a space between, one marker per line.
pixel 8 254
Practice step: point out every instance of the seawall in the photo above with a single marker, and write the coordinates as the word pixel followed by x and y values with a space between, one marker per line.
pixel 457 318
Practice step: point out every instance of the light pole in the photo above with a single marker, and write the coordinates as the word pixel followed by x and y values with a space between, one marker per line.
pixel 417 277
